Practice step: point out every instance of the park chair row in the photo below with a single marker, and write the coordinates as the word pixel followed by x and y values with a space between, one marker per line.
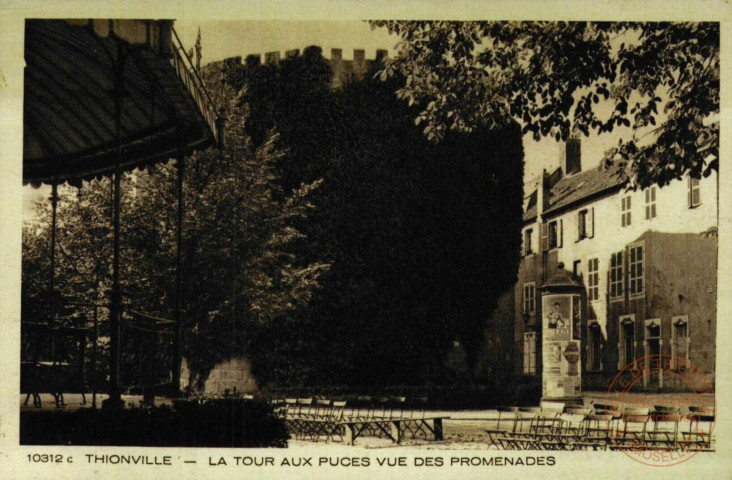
pixel 390 417
pixel 667 428
pixel 308 418
pixel 631 428
pixel 313 408
pixel 360 408
pixel 663 427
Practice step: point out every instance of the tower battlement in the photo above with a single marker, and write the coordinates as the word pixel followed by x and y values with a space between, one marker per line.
pixel 344 70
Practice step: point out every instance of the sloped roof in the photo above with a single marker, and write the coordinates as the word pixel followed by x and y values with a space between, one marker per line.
pixel 579 187
pixel 69 106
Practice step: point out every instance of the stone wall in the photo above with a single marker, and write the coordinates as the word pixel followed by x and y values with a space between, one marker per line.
pixel 235 374
pixel 344 70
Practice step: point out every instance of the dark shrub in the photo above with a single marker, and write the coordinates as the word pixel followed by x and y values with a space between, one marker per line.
pixel 518 390
pixel 213 423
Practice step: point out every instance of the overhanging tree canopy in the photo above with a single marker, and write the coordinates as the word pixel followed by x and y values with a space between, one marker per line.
pixel 563 78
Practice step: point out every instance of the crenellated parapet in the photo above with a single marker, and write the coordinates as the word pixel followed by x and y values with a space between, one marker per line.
pixel 344 70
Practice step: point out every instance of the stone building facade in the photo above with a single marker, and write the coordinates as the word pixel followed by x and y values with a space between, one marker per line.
pixel 647 260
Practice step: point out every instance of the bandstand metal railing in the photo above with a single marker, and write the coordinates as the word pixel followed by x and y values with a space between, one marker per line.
pixel 111 49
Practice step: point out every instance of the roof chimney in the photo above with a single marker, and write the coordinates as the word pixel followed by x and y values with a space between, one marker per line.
pixel 572 156
pixel 542 195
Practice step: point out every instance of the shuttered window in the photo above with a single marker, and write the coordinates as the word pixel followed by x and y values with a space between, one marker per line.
pixel 625 211
pixel 585 223
pixel 593 279
pixel 528 250
pixel 616 275
pixel 680 342
pixel 694 192
pixel 529 298
pixel 635 270
pixel 530 353
pixel 650 203
pixel 555 234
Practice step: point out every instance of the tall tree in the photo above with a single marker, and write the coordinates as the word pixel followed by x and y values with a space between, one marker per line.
pixel 422 238
pixel 562 78
pixel 241 268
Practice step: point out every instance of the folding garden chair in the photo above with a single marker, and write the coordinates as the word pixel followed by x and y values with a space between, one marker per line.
pixel 506 414
pixel 600 430
pixel 505 425
pixel 579 410
pixel 633 434
pixel 323 408
pixel 606 408
pixel 521 436
pixel 698 435
pixel 306 407
pixel 545 425
pixel 665 431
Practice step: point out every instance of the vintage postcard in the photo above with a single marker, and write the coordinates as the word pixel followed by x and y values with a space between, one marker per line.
pixel 318 239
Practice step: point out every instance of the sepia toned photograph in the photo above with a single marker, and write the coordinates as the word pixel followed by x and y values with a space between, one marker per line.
pixel 493 236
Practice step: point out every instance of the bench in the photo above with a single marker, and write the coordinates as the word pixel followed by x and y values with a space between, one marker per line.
pixel 55 378
pixel 393 428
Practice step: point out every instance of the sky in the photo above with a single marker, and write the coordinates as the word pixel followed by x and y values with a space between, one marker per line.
pixel 221 40
pixel 224 39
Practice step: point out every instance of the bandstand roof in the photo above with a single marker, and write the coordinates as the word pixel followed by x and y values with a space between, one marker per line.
pixel 69 98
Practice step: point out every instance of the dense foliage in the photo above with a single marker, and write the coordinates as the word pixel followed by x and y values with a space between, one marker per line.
pixel 223 423
pixel 330 243
pixel 422 238
pixel 562 78
pixel 240 267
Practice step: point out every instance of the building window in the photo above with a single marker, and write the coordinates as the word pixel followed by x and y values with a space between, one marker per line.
pixel 593 280
pixel 625 210
pixel 555 234
pixel 652 339
pixel 527 242
pixel 679 342
pixel 650 203
pixel 551 235
pixel 616 275
pixel 529 298
pixel 594 347
pixel 581 224
pixel 694 192
pixel 576 268
pixel 635 269
pixel 626 341
pixel 530 353
pixel 653 331
pixel 585 223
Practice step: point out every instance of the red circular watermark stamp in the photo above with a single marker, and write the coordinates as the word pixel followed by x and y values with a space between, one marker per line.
pixel 660 429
